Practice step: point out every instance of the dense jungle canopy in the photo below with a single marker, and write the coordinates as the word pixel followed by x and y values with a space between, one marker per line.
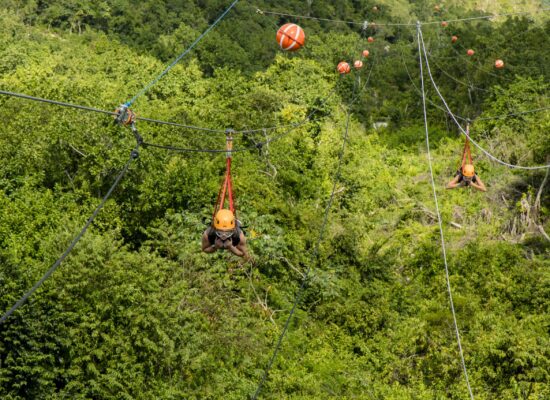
pixel 137 311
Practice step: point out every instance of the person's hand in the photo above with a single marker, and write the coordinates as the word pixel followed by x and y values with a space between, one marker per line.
pixel 219 244
pixel 227 244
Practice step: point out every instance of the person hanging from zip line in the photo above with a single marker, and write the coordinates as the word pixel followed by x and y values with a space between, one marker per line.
pixel 225 232
pixel 466 175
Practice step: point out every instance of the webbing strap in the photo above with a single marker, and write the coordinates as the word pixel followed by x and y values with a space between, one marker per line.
pixel 226 191
pixel 227 186
pixel 466 153
pixel 230 186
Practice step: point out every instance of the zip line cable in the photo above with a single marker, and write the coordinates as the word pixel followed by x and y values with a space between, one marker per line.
pixel 420 93
pixel 302 287
pixel 460 126
pixel 133 155
pixel 59 103
pixel 465 119
pixel 259 144
pixel 457 332
pixel 266 142
pixel 315 252
pixel 468 85
pixel 488 118
pixel 473 64
pixel 245 131
pixel 138 118
pixel 100 111
pixel 494 50
pixel 515 114
pixel 178 59
pixel 263 12
pixel 243 149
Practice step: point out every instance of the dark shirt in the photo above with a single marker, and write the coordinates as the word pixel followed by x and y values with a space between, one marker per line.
pixel 235 237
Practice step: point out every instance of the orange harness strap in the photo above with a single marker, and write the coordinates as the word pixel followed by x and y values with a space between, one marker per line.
pixel 226 190
pixel 466 153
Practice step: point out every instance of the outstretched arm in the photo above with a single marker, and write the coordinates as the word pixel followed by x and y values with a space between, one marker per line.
pixel 454 182
pixel 478 184
pixel 206 246
pixel 240 249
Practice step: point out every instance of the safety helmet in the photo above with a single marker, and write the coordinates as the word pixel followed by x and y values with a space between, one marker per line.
pixel 468 170
pixel 224 220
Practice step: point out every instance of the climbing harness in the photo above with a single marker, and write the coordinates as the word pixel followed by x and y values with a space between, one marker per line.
pixel 466 152
pixel 226 190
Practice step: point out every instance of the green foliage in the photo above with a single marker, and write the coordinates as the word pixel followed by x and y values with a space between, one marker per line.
pixel 138 312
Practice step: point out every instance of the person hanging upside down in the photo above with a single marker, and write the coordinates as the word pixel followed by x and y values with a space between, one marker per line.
pixel 225 233
pixel 466 176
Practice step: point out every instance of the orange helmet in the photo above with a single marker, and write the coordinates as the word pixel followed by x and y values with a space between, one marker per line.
pixel 224 220
pixel 468 170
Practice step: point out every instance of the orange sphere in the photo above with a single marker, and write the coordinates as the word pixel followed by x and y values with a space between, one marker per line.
pixel 470 52
pixel 444 24
pixel 343 67
pixel 290 37
pixel 370 39
pixel 358 64
pixel 499 64
pixel 365 53
pixel 454 39
pixel 375 9
pixel 437 8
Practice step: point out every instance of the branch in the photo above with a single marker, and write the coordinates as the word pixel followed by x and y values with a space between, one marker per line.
pixel 543 232
pixel 539 194
pixel 266 154
pixel 292 266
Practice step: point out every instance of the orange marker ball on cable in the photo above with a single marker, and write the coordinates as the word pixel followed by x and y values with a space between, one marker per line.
pixel 444 24
pixel 343 67
pixel 499 64
pixel 291 37
pixel 370 39
pixel 470 52
pixel 358 64
pixel 454 39
pixel 365 53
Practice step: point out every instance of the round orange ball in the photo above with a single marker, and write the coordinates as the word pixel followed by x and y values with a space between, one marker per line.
pixel 291 37
pixel 343 67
